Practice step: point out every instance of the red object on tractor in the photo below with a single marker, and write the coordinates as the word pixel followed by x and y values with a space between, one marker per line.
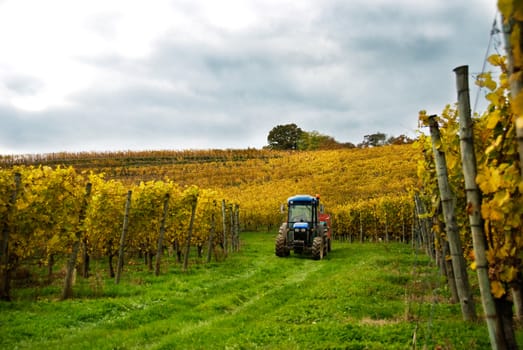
pixel 326 218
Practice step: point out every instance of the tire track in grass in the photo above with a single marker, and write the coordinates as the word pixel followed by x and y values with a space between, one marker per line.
pixel 266 279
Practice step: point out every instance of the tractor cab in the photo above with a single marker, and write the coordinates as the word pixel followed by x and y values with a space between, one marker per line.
pixel 303 232
pixel 302 219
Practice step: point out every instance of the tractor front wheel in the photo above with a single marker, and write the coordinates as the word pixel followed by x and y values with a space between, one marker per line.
pixel 318 248
pixel 281 248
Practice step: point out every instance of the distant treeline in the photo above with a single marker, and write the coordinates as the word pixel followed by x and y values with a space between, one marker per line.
pixel 292 137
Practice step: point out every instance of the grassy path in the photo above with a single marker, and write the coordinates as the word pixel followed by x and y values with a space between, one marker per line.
pixel 363 296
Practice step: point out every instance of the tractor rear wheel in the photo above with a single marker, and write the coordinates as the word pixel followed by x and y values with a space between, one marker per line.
pixel 318 248
pixel 281 248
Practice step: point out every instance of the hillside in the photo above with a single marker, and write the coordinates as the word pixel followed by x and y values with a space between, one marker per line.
pixel 261 180
pixel 338 175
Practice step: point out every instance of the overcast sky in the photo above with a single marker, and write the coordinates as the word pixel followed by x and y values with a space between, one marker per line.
pixel 198 74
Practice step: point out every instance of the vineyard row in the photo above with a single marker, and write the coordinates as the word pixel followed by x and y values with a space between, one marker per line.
pixel 47 213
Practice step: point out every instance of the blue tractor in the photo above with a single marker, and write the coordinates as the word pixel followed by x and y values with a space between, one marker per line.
pixel 304 232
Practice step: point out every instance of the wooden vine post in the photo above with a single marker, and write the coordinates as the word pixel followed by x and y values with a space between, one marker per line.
pixel 5 282
pixel 194 202
pixel 237 226
pixel 468 160
pixel 224 222
pixel 85 258
pixel 67 292
pixel 386 227
pixel 423 224
pixel 466 300
pixel 159 251
pixel 211 233
pixel 427 240
pixel 231 222
pixel 361 227
pixel 440 255
pixel 123 237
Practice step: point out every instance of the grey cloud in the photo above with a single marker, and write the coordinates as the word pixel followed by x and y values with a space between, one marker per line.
pixel 23 85
pixel 30 132
pixel 352 71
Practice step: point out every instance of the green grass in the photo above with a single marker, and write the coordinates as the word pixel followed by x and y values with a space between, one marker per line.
pixel 362 296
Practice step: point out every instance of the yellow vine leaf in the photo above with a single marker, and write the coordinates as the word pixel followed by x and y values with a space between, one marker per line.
pixel 452 161
pixel 53 241
pixel 498 141
pixel 509 274
pixel 504 252
pixel 490 149
pixel 503 81
pixel 496 60
pixel 490 83
pixel 22 205
pixel 514 222
pixel 497 289
pixel 493 98
pixel 489 180
pixel 493 119
pixel 491 212
pixel 423 118
pixel 501 198
pixel 511 174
